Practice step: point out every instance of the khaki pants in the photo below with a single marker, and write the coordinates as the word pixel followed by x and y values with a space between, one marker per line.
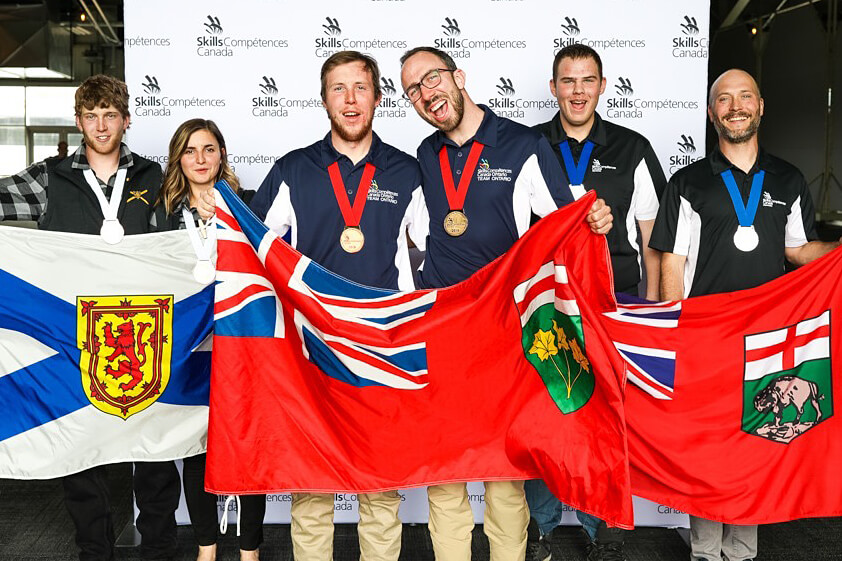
pixel 711 540
pixel 451 521
pixel 379 528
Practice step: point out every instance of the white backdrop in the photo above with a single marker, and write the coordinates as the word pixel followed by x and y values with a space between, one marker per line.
pixel 253 67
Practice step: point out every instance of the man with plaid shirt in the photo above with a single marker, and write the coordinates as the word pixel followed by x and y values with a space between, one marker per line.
pixel 61 195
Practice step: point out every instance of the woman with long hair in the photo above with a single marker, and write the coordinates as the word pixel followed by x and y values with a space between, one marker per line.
pixel 197 160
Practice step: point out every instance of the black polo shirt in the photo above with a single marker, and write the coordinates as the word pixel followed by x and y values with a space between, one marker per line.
pixel 297 196
pixel 517 176
pixel 697 220
pixel 625 172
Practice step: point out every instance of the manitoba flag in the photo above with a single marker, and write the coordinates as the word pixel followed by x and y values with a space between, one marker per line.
pixel 747 433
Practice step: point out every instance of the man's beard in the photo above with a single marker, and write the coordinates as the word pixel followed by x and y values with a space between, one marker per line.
pixel 349 135
pixel 113 144
pixel 737 137
pixel 457 111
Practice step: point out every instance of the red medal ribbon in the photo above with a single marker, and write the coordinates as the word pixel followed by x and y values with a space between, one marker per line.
pixel 351 214
pixel 456 199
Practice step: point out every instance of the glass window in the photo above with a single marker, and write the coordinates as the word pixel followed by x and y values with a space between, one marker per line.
pixel 12 106
pixel 74 139
pixel 50 106
pixel 12 150
pixel 44 145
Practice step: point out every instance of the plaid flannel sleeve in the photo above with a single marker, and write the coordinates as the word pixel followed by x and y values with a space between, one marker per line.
pixel 23 196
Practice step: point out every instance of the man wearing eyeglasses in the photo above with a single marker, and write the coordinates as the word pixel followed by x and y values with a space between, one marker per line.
pixel 483 176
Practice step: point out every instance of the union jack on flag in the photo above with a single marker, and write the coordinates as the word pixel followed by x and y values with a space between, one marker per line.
pixel 341 347
pixel 650 369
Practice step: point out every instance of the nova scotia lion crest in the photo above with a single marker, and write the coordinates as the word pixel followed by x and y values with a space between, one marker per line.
pixel 126 344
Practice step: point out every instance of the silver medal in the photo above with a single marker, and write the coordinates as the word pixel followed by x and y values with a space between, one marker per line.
pixel 204 272
pixel 745 238
pixel 578 191
pixel 111 232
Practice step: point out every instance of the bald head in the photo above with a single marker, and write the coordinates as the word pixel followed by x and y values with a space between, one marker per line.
pixel 735 107
pixel 730 80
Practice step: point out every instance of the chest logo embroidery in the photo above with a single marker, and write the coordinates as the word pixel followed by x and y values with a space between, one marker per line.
pixel 597 167
pixel 768 201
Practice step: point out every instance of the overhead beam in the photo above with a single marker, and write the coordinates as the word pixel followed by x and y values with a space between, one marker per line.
pixel 735 13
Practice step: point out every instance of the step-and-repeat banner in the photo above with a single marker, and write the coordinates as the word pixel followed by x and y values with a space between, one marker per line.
pixel 253 67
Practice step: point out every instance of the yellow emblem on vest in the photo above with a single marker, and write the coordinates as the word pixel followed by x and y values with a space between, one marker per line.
pixel 126 348
pixel 138 196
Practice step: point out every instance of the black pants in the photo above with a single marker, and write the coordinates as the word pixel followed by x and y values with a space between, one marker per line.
pixel 204 514
pixel 157 490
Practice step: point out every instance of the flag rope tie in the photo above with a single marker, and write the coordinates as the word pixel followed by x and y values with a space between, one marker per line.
pixel 223 524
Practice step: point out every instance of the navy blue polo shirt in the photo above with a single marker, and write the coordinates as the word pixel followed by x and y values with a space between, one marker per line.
pixel 518 176
pixel 297 196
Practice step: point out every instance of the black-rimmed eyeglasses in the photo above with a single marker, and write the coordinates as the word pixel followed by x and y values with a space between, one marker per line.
pixel 430 80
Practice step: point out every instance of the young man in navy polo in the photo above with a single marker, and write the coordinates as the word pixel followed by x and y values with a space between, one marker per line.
pixel 348 202
pixel 621 166
pixel 717 236
pixel 484 177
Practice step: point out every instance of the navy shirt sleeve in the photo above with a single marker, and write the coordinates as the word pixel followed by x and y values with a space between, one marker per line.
pixel 268 190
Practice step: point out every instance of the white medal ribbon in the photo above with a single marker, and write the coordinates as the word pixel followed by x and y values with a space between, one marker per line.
pixel 204 271
pixel 111 231
pixel 578 191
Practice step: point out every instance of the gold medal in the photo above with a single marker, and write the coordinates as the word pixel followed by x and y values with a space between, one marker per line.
pixel 352 239
pixel 455 223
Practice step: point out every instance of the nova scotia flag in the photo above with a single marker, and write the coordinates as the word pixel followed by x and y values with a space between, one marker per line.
pixel 101 351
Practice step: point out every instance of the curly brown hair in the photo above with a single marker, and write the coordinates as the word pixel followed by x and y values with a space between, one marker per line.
pixel 101 91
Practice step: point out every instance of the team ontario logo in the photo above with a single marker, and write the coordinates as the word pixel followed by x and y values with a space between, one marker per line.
pixel 552 337
pixel 787 387
pixel 126 344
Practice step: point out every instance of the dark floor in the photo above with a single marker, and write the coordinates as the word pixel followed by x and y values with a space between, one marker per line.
pixel 34 526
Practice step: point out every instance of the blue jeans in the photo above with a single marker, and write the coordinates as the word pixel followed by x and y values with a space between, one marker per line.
pixel 547 510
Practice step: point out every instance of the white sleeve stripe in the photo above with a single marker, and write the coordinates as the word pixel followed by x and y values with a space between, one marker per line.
pixel 526 185
pixel 541 199
pixel 681 246
pixel 279 216
pixel 795 234
pixel 644 199
pixel 695 229
pixel 418 218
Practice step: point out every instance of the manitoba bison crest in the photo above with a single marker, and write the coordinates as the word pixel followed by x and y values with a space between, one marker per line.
pixel 126 346
pixel 787 386
pixel 552 337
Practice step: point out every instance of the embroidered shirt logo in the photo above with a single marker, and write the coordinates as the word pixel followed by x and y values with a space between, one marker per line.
pixel 487 173
pixel 138 196
pixel 377 194
pixel 597 167
pixel 769 201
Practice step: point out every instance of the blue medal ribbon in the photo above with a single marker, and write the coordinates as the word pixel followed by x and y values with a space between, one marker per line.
pixel 745 214
pixel 576 171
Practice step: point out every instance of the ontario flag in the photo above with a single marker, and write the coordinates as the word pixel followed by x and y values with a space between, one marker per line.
pixel 320 384
pixel 730 408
